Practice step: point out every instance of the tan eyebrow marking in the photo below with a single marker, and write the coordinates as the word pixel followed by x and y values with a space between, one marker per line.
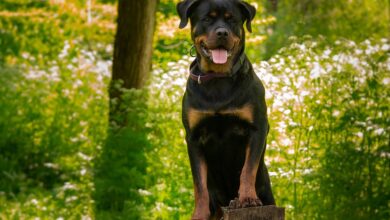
pixel 228 15
pixel 213 14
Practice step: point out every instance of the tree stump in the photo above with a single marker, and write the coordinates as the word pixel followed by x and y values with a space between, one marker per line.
pixel 270 212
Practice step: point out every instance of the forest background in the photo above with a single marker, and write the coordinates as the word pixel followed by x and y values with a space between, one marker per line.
pixel 325 65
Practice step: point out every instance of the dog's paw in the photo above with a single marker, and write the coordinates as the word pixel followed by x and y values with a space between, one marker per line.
pixel 249 202
pixel 244 202
pixel 234 204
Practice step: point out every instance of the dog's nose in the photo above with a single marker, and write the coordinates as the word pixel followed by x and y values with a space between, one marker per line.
pixel 222 32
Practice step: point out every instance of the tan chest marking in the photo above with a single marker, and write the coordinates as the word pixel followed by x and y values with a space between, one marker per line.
pixel 245 112
pixel 195 116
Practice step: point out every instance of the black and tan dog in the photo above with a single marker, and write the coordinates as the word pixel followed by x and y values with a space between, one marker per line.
pixel 224 109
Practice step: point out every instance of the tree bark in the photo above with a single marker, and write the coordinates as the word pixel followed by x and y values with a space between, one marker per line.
pixel 133 43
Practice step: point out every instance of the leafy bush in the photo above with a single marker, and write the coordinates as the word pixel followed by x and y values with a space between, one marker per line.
pixel 329 142
pixel 52 124
pixel 143 172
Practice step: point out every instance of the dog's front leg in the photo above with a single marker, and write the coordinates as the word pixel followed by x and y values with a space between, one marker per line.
pixel 247 192
pixel 199 175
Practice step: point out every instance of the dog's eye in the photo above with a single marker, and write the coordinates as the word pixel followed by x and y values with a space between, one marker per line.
pixel 206 19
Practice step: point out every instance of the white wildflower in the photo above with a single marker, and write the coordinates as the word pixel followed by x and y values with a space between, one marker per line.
pixel 143 192
pixel 65 50
pixel 83 172
pixel 379 131
pixel 336 113
pixel 271 173
pixel 71 199
pixel 358 51
pixel 359 134
pixel 307 171
pixel 84 156
pixel 69 186
pixel 34 201
pixel 316 71
pixel 386 81
pixel 326 53
pixel 287 142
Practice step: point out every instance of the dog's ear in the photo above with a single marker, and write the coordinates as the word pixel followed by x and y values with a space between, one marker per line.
pixel 249 13
pixel 184 10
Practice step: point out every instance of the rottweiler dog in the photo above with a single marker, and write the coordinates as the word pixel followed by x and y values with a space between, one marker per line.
pixel 224 110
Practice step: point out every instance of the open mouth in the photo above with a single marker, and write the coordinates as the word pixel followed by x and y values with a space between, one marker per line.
pixel 218 55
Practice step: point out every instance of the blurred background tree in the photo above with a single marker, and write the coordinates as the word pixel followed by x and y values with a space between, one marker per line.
pixel 133 42
pixel 132 58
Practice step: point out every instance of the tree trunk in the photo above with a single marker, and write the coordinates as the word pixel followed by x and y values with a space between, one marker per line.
pixel 133 43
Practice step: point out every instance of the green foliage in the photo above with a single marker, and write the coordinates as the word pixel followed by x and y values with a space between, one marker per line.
pixel 121 167
pixel 42 29
pixel 329 142
pixel 15 5
pixel 53 122
pixel 356 20
pixel 328 152
pixel 53 115
pixel 143 171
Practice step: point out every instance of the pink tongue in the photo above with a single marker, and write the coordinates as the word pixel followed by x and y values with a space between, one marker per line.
pixel 219 56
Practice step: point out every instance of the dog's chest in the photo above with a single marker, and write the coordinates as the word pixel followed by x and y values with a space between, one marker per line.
pixel 213 128
pixel 222 137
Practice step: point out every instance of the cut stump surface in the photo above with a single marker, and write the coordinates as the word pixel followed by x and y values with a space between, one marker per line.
pixel 270 212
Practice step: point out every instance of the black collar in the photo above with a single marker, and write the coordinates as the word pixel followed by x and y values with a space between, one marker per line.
pixel 200 77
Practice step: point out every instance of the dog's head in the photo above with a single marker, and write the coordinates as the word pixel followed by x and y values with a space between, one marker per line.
pixel 217 30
